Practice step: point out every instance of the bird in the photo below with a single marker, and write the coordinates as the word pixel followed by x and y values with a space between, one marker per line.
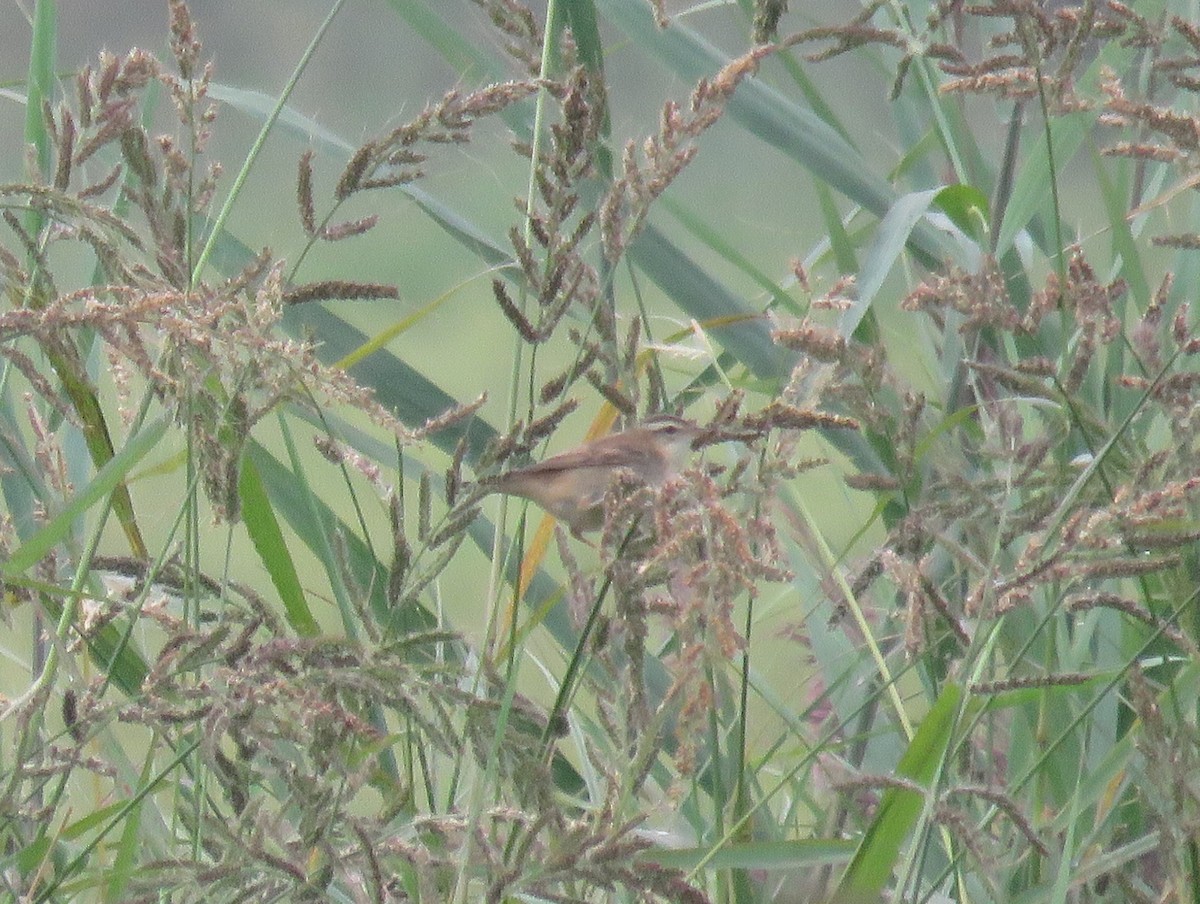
pixel 571 486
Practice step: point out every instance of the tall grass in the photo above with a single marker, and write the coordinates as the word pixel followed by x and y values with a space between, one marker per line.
pixel 921 624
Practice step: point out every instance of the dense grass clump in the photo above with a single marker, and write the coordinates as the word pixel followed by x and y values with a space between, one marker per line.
pixel 918 622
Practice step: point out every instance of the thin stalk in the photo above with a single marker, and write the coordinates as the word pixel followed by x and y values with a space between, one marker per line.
pixel 537 141
pixel 240 180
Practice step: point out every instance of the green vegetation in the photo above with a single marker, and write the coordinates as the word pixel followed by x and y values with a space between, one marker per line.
pixel 921 625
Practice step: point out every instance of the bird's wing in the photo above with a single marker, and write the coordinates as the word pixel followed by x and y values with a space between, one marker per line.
pixel 598 456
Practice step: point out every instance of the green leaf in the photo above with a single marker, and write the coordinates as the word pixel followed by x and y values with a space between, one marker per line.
pixel 289 497
pixel 20 477
pixel 78 387
pixel 39 88
pixel 32 855
pixel 875 859
pixel 408 394
pixel 107 479
pixel 1032 186
pixel 581 14
pixel 754 855
pixel 772 117
pixel 265 534
pixel 967 208
pixel 840 242
pixel 714 236
pixel 259 106
pixel 890 239
pixel 464 55
pixel 744 333
pixel 130 845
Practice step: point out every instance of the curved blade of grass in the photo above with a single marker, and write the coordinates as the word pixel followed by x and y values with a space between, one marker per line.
pixel 695 292
pixel 109 647
pixel 105 483
pixel 1185 264
pixel 65 362
pixel 783 124
pixel 705 299
pixel 464 231
pixel 467 58
pixel 1133 271
pixel 1059 517
pixel 20 477
pixel 328 546
pixel 875 859
pixel 754 855
pixel 39 88
pixel 27 858
pixel 80 389
pixel 243 173
pixel 714 237
pixel 131 842
pixel 315 523
pixel 404 324
pixel 1032 185
pixel 840 242
pixel 261 106
pixel 268 541
pixel 770 116
pixel 69 870
pixel 890 240
pixel 967 208
pixel 407 393
pixel 1068 861
pixel 820 107
pixel 581 15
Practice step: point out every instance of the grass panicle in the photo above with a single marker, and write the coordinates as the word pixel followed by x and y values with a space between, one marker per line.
pixel 918 622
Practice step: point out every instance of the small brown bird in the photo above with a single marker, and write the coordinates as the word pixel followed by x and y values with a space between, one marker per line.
pixel 571 486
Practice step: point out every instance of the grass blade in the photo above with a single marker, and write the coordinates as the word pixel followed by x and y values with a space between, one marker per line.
pixel 267 538
pixel 106 481
pixel 873 863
